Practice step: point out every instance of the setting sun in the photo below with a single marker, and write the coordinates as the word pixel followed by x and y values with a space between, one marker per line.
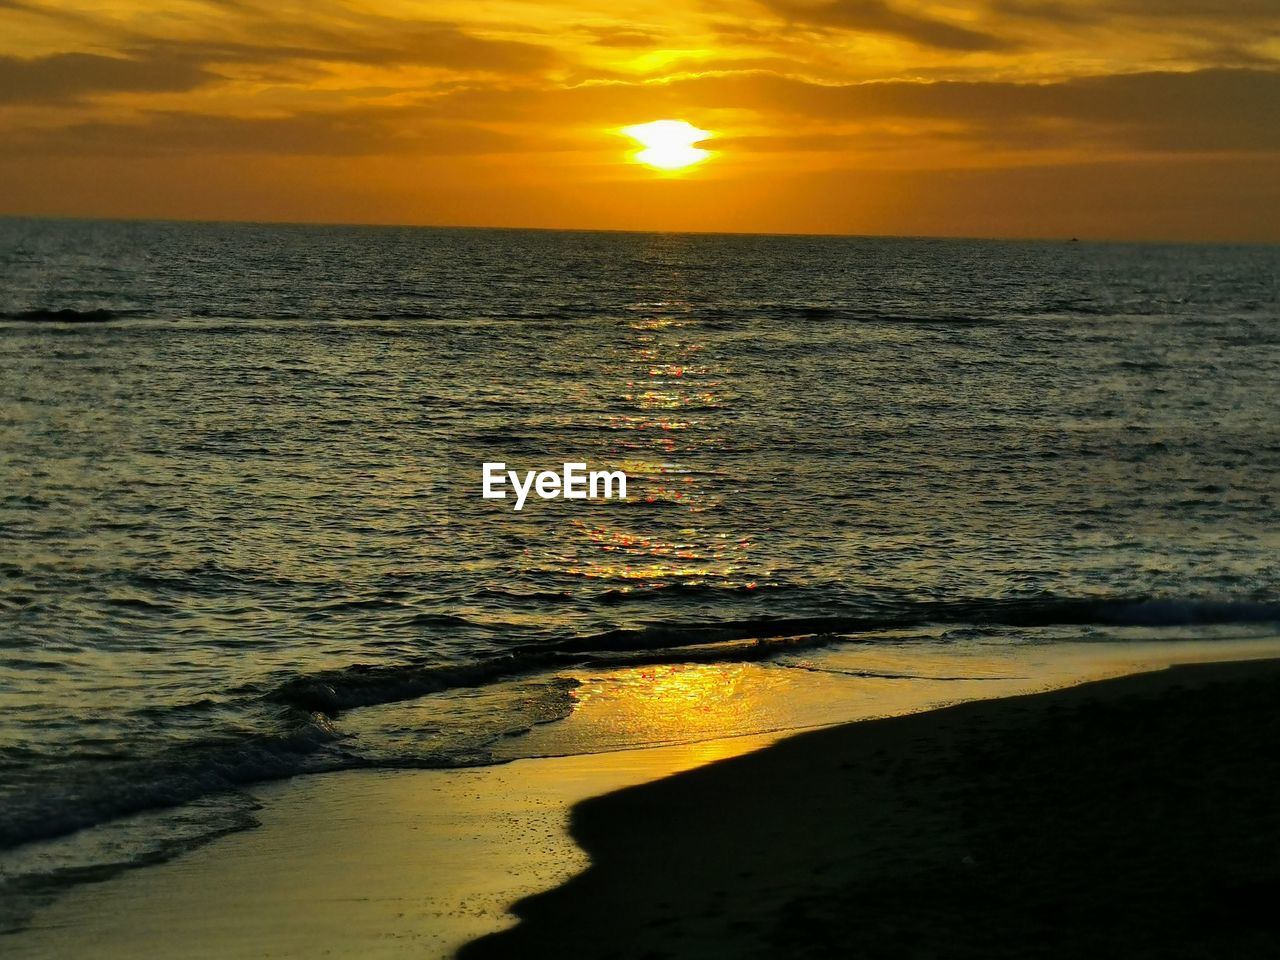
pixel 668 144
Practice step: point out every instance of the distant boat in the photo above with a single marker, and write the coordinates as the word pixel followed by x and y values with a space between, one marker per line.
pixel 1074 240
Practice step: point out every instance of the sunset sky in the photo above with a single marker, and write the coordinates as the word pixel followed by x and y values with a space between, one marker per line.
pixel 1098 118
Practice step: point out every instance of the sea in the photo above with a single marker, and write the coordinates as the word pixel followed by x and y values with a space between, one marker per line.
pixel 242 536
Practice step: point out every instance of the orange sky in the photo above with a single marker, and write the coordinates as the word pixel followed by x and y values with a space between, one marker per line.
pixel 1096 118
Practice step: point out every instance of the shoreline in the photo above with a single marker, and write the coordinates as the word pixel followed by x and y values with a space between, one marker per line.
pixel 422 862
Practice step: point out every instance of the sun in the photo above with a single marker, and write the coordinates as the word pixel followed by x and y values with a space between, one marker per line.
pixel 668 144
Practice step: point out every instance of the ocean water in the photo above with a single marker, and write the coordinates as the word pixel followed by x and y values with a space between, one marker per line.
pixel 240 477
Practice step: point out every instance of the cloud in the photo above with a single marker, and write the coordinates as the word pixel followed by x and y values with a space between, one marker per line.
pixel 356 132
pixel 877 16
pixel 433 44
pixel 415 43
pixel 1201 110
pixel 166 65
pixel 69 76
pixel 623 37
pixel 1205 110
pixel 1101 11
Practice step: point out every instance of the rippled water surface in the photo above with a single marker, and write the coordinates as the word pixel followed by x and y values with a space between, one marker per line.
pixel 240 475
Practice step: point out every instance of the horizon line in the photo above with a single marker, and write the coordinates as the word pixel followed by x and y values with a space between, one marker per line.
pixel 340 224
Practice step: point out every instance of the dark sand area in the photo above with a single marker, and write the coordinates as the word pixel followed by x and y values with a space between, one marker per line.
pixel 1137 817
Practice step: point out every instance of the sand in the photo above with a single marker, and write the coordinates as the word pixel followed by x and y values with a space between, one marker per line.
pixel 1131 817
pixel 1126 818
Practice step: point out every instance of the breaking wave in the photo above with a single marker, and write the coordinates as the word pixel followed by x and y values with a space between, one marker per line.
pixel 62 315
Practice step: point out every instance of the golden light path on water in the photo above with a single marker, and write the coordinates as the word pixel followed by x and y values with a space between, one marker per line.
pixel 670 383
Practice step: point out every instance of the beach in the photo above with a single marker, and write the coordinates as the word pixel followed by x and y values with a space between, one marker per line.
pixel 1133 816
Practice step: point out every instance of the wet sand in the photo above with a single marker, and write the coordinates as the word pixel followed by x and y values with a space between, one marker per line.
pixel 1137 817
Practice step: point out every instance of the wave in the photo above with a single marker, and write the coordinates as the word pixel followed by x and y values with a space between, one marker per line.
pixel 33 876
pixel 165 780
pixel 712 318
pixel 62 315
pixel 331 692
pixel 690 590
pixel 1041 612
pixel 822 313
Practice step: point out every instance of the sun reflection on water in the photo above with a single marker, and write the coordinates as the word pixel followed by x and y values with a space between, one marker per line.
pixel 676 701
pixel 668 375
